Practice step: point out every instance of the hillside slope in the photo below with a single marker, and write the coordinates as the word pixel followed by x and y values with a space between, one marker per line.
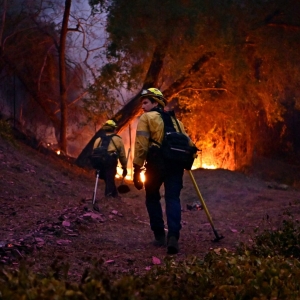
pixel 46 215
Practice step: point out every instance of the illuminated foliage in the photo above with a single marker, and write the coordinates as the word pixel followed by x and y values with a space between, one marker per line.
pixel 237 102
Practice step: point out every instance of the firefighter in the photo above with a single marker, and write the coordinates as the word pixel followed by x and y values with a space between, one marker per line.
pixel 150 128
pixel 116 150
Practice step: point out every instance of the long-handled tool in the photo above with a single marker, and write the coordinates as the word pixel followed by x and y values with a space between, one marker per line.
pixel 95 190
pixel 218 237
pixel 123 188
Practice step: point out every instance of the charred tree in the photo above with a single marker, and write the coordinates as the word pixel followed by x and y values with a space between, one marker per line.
pixel 131 109
pixel 62 77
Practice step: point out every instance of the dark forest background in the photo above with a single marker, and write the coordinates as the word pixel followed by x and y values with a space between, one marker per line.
pixel 229 68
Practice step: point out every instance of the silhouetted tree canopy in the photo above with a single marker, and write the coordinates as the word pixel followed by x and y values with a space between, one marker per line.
pixel 231 67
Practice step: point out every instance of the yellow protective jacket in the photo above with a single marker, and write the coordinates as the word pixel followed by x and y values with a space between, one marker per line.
pixel 150 125
pixel 115 145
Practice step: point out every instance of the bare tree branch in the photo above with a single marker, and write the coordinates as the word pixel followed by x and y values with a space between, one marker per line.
pixel 284 25
pixel 3 22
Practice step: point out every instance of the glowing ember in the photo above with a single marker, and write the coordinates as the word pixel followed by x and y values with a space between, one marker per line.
pixel 58 152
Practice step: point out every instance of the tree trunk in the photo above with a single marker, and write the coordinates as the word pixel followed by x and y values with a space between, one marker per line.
pixel 62 77
pixel 130 109
pixel 36 96
pixel 182 82
pixel 3 22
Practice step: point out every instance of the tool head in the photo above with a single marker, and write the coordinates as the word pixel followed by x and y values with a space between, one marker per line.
pixel 96 207
pixel 218 238
pixel 123 189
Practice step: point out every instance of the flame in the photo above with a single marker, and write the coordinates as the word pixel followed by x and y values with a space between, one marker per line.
pixel 205 163
pixel 197 164
pixel 57 152
pixel 142 176
pixel 120 171
pixel 205 166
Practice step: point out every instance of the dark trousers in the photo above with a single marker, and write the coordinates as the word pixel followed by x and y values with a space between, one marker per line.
pixel 108 175
pixel 172 179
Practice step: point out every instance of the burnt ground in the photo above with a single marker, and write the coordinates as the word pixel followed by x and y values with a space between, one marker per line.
pixel 46 213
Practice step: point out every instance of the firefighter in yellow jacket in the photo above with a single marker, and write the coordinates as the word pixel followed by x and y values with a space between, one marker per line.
pixel 117 152
pixel 150 128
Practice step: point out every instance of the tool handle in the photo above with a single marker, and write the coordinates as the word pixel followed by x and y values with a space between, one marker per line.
pixel 96 184
pixel 129 149
pixel 201 199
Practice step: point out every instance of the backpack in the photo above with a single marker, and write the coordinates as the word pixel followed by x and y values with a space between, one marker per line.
pixel 175 146
pixel 100 157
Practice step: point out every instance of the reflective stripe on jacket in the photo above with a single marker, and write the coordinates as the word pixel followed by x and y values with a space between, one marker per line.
pixel 116 146
pixel 150 125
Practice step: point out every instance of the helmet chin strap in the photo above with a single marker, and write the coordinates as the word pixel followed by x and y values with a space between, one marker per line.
pixel 159 101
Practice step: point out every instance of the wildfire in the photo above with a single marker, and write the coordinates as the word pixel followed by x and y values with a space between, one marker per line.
pixel 196 165
pixel 142 176
pixel 129 176
pixel 120 171
pixel 205 163
pixel 205 166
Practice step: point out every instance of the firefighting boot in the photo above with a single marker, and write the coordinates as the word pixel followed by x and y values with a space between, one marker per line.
pixel 160 239
pixel 172 246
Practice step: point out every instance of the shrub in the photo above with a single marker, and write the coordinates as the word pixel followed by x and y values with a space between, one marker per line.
pixel 6 131
pixel 284 241
pixel 261 271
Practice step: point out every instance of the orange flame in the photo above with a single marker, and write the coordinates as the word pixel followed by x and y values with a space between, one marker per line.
pixel 120 171
pixel 208 163
pixel 205 166
pixel 142 176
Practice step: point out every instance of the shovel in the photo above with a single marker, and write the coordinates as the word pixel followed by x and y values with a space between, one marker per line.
pixel 218 237
pixel 123 188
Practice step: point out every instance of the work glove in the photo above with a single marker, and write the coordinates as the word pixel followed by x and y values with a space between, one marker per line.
pixel 124 172
pixel 136 177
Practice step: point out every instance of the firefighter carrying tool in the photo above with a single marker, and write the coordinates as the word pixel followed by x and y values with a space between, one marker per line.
pixel 159 169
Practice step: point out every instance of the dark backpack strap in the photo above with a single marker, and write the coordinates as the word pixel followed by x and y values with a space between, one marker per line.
pixel 100 140
pixel 155 142
pixel 104 141
pixel 177 123
pixel 169 115
pixel 114 142
pixel 168 124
